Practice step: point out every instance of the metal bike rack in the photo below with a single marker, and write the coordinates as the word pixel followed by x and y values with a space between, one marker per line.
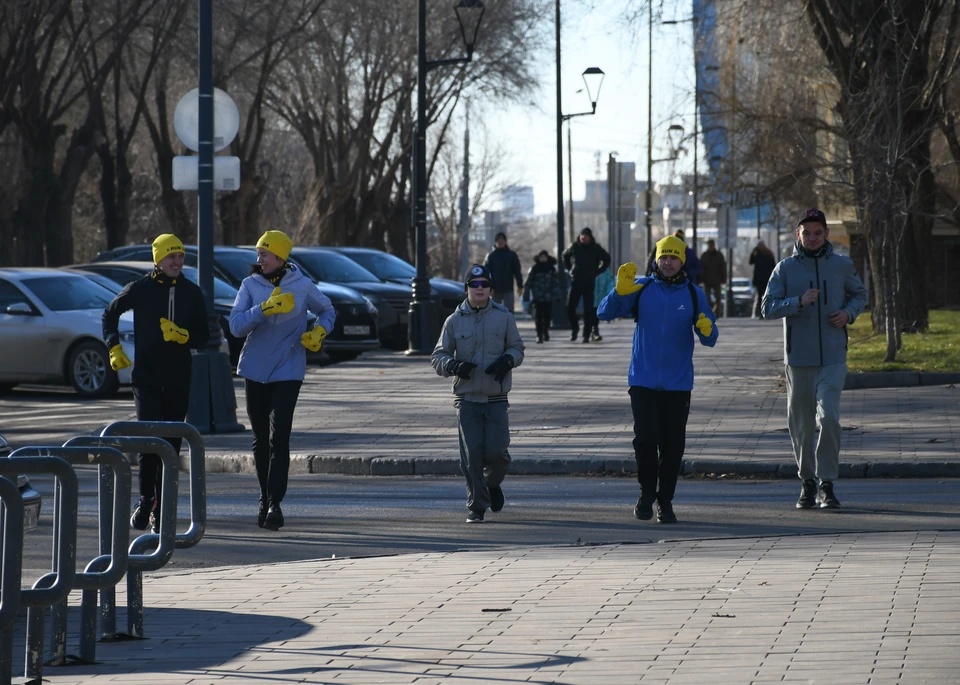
pixel 105 570
pixel 51 588
pixel 139 560
pixel 198 467
pixel 11 528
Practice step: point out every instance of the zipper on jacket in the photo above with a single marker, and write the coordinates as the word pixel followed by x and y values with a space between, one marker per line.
pixel 171 305
pixel 816 267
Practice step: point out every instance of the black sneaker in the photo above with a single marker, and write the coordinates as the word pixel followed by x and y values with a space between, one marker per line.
pixel 140 518
pixel 808 495
pixel 585 341
pixel 539 338
pixel 475 517
pixel 665 513
pixel 573 337
pixel 496 498
pixel 643 510
pixel 546 336
pixel 274 518
pixel 825 497
pixel 261 513
pixel 596 337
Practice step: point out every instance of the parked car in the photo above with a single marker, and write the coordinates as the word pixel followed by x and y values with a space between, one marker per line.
pixel 356 328
pixel 51 332
pixel 391 299
pixel 31 498
pixel 445 293
pixel 743 296
pixel 224 295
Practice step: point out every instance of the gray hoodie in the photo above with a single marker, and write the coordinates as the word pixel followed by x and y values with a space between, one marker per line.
pixel 479 336
pixel 809 339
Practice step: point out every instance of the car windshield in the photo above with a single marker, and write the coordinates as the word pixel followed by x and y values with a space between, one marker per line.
pixel 68 293
pixel 382 264
pixel 99 279
pixel 221 290
pixel 237 263
pixel 333 267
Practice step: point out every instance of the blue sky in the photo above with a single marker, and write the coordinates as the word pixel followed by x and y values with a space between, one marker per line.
pixel 598 38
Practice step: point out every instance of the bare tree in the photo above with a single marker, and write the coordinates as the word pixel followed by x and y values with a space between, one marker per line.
pixel 350 95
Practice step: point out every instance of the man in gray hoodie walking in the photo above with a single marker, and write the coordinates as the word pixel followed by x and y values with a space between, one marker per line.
pixel 817 293
pixel 478 347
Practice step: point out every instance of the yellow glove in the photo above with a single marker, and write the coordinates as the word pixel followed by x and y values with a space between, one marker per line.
pixel 277 303
pixel 705 325
pixel 118 359
pixel 173 333
pixel 626 275
pixel 312 340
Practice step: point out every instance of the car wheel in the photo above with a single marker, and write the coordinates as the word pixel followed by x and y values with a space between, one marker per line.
pixel 89 372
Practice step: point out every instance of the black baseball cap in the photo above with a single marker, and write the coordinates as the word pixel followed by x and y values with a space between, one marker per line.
pixel 813 214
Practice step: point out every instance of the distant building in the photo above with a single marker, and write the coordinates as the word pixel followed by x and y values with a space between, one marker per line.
pixel 517 202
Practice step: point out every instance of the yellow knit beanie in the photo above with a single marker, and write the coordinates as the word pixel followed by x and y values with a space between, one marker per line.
pixel 165 244
pixel 672 246
pixel 276 242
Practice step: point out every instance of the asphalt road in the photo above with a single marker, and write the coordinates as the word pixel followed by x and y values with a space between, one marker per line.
pixel 363 516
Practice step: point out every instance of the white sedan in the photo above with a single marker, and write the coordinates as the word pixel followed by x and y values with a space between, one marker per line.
pixel 51 332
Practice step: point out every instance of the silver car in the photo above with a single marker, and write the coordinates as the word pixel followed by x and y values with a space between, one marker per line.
pixel 51 332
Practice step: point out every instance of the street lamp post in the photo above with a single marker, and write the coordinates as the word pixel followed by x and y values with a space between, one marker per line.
pixel 422 313
pixel 591 76
pixel 696 119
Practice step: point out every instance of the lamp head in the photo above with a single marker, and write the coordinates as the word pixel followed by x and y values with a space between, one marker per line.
pixel 593 78
pixel 469 14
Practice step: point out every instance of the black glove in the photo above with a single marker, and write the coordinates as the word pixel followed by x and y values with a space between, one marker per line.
pixel 500 368
pixel 463 369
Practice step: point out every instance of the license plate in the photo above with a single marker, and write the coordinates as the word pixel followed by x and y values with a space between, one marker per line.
pixel 356 330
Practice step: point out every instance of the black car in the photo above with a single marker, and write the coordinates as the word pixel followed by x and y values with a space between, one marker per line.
pixel 391 299
pixel 224 294
pixel 356 328
pixel 31 498
pixel 445 293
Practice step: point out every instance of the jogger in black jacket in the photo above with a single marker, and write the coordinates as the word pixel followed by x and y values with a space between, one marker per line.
pixel 169 319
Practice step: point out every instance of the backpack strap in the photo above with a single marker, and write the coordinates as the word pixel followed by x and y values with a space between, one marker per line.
pixel 693 296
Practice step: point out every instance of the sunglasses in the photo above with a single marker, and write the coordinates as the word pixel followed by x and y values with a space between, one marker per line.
pixel 478 284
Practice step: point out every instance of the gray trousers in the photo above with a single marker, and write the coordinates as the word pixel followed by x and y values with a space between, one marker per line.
pixel 484 438
pixel 813 403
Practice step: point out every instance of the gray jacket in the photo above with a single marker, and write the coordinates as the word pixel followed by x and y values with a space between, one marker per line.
pixel 480 337
pixel 809 339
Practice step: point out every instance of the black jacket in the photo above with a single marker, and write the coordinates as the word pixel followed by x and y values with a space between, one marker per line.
pixel 588 260
pixel 763 263
pixel 504 266
pixel 543 283
pixel 159 363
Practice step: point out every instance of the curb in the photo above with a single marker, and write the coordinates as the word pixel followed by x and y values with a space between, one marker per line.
pixel 387 466
pixel 867 380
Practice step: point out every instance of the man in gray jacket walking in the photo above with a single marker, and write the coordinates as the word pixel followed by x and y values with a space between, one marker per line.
pixel 478 347
pixel 817 293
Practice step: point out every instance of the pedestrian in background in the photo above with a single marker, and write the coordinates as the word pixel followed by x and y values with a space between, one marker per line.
pixel 669 310
pixel 478 347
pixel 714 275
pixel 504 267
pixel 271 313
pixel 817 293
pixel 763 262
pixel 169 320
pixel 583 261
pixel 542 288
pixel 601 288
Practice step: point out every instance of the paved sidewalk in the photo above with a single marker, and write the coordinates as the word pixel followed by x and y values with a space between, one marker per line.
pixel 880 608
pixel 389 414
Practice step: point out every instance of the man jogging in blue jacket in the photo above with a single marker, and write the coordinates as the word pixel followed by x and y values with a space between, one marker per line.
pixel 817 293
pixel 669 311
